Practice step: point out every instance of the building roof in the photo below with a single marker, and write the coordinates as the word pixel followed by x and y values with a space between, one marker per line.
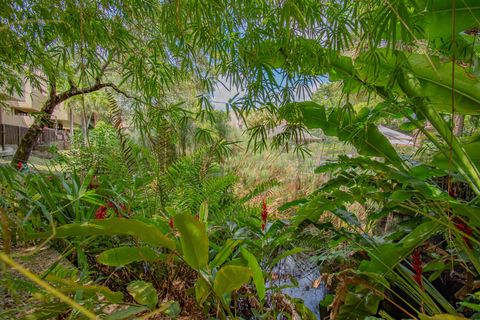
pixel 396 137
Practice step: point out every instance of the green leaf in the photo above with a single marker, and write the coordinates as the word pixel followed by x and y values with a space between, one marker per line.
pixel 436 84
pixel 143 293
pixel 304 312
pixel 359 305
pixel 202 290
pixel 127 313
pixel 436 18
pixel 342 122
pixel 401 195
pixel 230 278
pixel 145 232
pixel 347 216
pixel 223 254
pixel 258 279
pixel 71 286
pixel 194 240
pixel 291 204
pixel 124 255
pixel 204 212
pixel 170 308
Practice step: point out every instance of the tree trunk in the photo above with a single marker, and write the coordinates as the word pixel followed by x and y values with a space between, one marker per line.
pixel 28 142
pixel 26 145
pixel 458 121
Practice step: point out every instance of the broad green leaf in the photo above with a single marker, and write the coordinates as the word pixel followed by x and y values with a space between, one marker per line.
pixel 71 286
pixel 230 278
pixel 258 279
pixel 202 290
pixel 436 84
pixel 170 308
pixel 412 88
pixel 436 18
pixel 223 254
pixel 368 141
pixel 359 305
pixel 194 240
pixel 143 293
pixel 115 226
pixel 124 255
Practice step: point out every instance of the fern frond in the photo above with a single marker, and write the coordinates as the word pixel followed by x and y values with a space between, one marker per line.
pixel 116 117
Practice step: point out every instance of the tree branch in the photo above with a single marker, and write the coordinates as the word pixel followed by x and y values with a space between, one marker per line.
pixel 97 86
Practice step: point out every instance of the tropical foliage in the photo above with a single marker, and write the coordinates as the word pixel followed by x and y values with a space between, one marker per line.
pixel 143 205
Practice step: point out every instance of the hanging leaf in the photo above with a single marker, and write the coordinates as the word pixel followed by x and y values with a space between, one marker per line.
pixel 194 240
pixel 145 232
pixel 258 279
pixel 125 255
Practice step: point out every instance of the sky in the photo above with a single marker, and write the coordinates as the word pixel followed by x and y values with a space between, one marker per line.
pixel 222 93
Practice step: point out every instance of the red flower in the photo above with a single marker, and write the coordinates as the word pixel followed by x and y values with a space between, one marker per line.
pixel 264 214
pixel 170 222
pixel 417 265
pixel 463 227
pixel 19 165
pixel 101 212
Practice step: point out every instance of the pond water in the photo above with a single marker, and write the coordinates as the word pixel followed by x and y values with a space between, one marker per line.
pixel 306 274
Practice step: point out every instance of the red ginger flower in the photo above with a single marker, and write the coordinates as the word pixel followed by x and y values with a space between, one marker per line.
pixel 463 227
pixel 264 214
pixel 101 212
pixel 170 222
pixel 19 165
pixel 417 265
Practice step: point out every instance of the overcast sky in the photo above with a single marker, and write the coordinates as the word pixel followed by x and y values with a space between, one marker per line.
pixel 222 94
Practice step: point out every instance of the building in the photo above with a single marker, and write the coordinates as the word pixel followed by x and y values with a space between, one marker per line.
pixel 17 114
